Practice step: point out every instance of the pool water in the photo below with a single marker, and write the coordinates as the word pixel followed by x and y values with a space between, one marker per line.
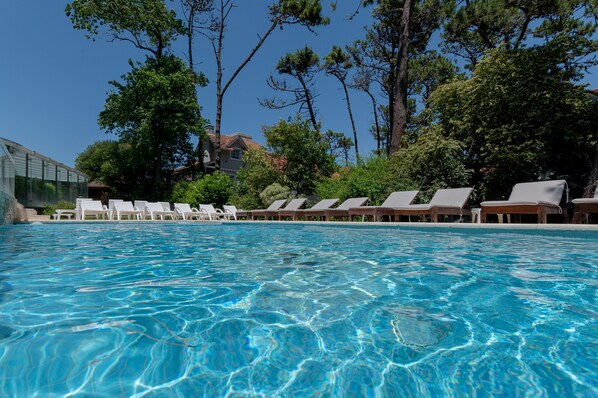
pixel 192 310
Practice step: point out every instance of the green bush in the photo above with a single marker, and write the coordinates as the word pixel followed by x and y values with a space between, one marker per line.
pixel 372 178
pixel 274 192
pixel 63 204
pixel 214 189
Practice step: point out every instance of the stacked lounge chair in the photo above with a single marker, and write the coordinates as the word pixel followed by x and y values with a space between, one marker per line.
pixel 395 199
pixel 538 197
pixel 451 201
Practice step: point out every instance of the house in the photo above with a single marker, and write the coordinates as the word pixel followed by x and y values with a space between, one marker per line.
pixel 231 154
pixel 231 151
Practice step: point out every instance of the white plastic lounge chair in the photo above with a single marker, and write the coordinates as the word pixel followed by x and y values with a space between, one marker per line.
pixel 450 201
pixel 538 197
pixel 141 205
pixel 288 210
pixel 395 199
pixel 112 212
pixel 188 213
pixel 155 210
pixel 232 210
pixel 275 206
pixel 93 208
pixel 585 206
pixel 213 214
pixel 165 206
pixel 78 207
pixel 313 211
pixel 123 208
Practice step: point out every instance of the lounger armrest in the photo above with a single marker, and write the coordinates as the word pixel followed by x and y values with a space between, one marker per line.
pixel 194 210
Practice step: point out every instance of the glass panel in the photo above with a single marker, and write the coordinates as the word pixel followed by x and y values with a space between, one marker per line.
pixel 35 185
pixel 50 182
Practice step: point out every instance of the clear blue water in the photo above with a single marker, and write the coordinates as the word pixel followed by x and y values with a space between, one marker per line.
pixel 180 310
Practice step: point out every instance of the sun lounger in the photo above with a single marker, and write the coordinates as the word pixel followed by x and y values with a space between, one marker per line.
pixel 307 213
pixel 231 210
pixel 255 214
pixel 539 197
pixel 213 214
pixel 341 211
pixel 188 213
pixel 165 206
pixel 78 207
pixel 123 208
pixel 93 208
pixel 451 202
pixel 141 206
pixel 288 210
pixel 155 210
pixel 395 199
pixel 585 206
pixel 111 210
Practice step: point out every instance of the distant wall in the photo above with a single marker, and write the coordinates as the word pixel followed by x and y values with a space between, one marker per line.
pixel 8 202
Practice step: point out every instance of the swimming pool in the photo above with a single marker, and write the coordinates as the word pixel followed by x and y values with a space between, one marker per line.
pixel 191 310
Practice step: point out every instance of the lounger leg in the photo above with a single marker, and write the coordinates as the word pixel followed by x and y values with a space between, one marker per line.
pixel 542 216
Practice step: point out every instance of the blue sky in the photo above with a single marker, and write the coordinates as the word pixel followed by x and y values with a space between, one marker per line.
pixel 54 81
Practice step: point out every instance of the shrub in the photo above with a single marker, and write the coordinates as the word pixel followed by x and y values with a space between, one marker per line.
pixel 274 192
pixel 372 178
pixel 214 189
pixel 63 204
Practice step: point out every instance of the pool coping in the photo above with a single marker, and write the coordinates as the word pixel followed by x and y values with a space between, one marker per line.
pixel 592 228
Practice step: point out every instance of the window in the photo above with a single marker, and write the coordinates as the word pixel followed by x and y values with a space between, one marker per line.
pixel 236 154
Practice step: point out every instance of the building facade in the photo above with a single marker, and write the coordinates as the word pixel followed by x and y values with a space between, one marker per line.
pixel 41 181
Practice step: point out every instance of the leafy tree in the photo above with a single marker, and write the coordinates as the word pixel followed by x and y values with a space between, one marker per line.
pixel 303 66
pixel 115 164
pixel 338 63
pixel 431 163
pixel 281 13
pixel 259 172
pixel 148 24
pixel 214 189
pixel 338 142
pixel 481 25
pixel 521 118
pixel 302 153
pixel 155 112
pixel 371 178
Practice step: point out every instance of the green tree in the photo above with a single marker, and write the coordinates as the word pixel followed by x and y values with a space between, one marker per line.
pixel 372 178
pixel 259 172
pixel 302 152
pixel 155 112
pixel 302 65
pixel 148 24
pixel 338 63
pixel 113 163
pixel 521 118
pixel 481 25
pixel 431 163
pixel 214 189
pixel 401 28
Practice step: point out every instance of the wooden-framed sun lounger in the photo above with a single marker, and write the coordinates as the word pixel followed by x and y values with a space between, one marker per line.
pixel 449 202
pixel 395 199
pixel 261 213
pixel 538 197
pixel 290 208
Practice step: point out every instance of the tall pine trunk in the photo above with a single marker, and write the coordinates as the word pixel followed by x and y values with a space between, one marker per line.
pixel 400 108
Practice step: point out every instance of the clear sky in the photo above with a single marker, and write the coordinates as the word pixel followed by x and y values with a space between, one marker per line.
pixel 54 81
